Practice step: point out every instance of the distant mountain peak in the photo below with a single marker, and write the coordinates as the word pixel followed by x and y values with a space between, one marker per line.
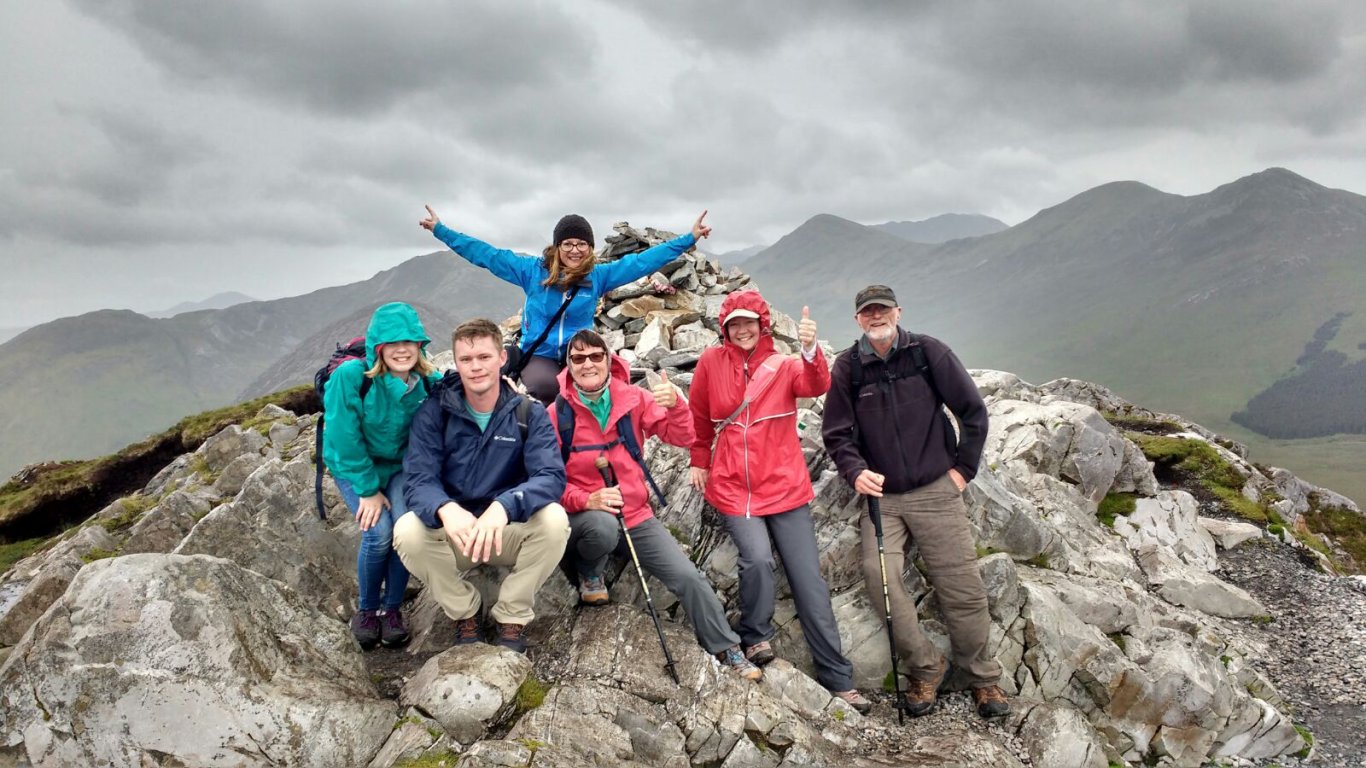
pixel 944 227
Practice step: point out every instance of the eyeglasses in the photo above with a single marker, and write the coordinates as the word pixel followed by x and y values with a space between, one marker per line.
pixel 566 246
pixel 596 357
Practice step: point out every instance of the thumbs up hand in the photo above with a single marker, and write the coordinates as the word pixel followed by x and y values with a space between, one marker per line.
pixel 664 393
pixel 806 330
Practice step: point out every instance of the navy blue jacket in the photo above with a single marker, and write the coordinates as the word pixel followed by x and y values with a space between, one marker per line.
pixel 449 459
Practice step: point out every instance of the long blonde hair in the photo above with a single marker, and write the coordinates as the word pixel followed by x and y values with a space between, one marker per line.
pixel 561 277
pixel 423 367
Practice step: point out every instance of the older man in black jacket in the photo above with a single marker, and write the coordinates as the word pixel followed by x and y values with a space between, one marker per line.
pixel 887 432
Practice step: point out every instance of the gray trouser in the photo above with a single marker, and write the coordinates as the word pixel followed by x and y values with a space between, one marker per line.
pixel 934 518
pixel 595 535
pixel 539 378
pixel 794 537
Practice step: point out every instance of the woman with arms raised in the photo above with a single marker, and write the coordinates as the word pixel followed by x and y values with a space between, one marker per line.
pixel 566 272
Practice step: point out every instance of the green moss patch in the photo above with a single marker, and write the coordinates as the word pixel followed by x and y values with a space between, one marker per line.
pixel 1347 528
pixel 133 508
pixel 1114 505
pixel 441 759
pixel 531 694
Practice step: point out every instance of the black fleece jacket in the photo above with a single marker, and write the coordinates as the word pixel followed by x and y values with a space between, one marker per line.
pixel 901 431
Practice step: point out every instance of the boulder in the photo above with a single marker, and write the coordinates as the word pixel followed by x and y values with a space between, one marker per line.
pixel 467 688
pixel 273 528
pixel 1228 533
pixel 170 660
pixel 165 525
pixel 232 441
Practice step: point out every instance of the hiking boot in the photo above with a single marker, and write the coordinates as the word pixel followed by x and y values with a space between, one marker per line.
pixel 467 631
pixel 921 695
pixel 512 636
pixel 365 627
pixel 991 701
pixel 760 653
pixel 393 630
pixel 853 698
pixel 592 590
pixel 732 659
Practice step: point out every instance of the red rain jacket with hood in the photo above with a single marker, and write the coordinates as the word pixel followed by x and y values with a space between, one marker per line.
pixel 757 467
pixel 672 425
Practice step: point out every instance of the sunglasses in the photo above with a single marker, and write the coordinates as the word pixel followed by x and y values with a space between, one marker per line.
pixel 596 357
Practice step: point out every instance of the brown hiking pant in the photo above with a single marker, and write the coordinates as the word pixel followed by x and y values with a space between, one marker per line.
pixel 933 518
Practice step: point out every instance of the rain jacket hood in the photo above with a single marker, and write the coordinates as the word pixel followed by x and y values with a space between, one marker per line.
pixel 754 302
pixel 392 322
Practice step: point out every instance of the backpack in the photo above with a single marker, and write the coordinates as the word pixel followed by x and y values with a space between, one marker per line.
pixel 921 366
pixel 626 437
pixel 353 350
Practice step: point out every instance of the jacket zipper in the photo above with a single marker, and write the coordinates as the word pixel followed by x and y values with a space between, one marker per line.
pixel 744 440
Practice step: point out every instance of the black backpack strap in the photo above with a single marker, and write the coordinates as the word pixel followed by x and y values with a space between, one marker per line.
pixel 523 414
pixel 627 435
pixel 564 418
pixel 922 366
pixel 318 468
pixel 516 373
pixel 855 369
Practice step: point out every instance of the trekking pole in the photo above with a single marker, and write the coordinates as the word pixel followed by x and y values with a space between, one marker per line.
pixel 875 514
pixel 609 479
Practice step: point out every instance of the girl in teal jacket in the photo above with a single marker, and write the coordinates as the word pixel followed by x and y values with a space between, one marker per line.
pixel 547 280
pixel 363 447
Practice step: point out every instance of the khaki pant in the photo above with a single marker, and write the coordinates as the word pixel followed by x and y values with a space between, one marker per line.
pixel 934 519
pixel 533 550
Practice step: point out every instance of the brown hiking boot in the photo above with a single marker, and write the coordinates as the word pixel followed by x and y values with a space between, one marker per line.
pixel 921 695
pixel 991 701
pixel 512 636
pixel 467 631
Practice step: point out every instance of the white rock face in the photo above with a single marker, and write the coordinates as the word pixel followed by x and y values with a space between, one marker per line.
pixel 157 659
pixel 1171 522
pixel 1182 584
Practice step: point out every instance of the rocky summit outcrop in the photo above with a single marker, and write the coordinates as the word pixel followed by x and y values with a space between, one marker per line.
pixel 202 620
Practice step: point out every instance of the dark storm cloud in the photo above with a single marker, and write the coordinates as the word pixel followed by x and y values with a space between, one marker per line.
pixel 310 132
pixel 351 57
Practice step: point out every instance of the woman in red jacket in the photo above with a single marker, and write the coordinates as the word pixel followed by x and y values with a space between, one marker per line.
pixel 744 398
pixel 600 404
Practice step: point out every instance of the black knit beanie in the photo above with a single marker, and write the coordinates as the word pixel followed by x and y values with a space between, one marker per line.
pixel 573 225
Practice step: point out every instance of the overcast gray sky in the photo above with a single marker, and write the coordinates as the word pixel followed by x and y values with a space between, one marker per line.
pixel 158 151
